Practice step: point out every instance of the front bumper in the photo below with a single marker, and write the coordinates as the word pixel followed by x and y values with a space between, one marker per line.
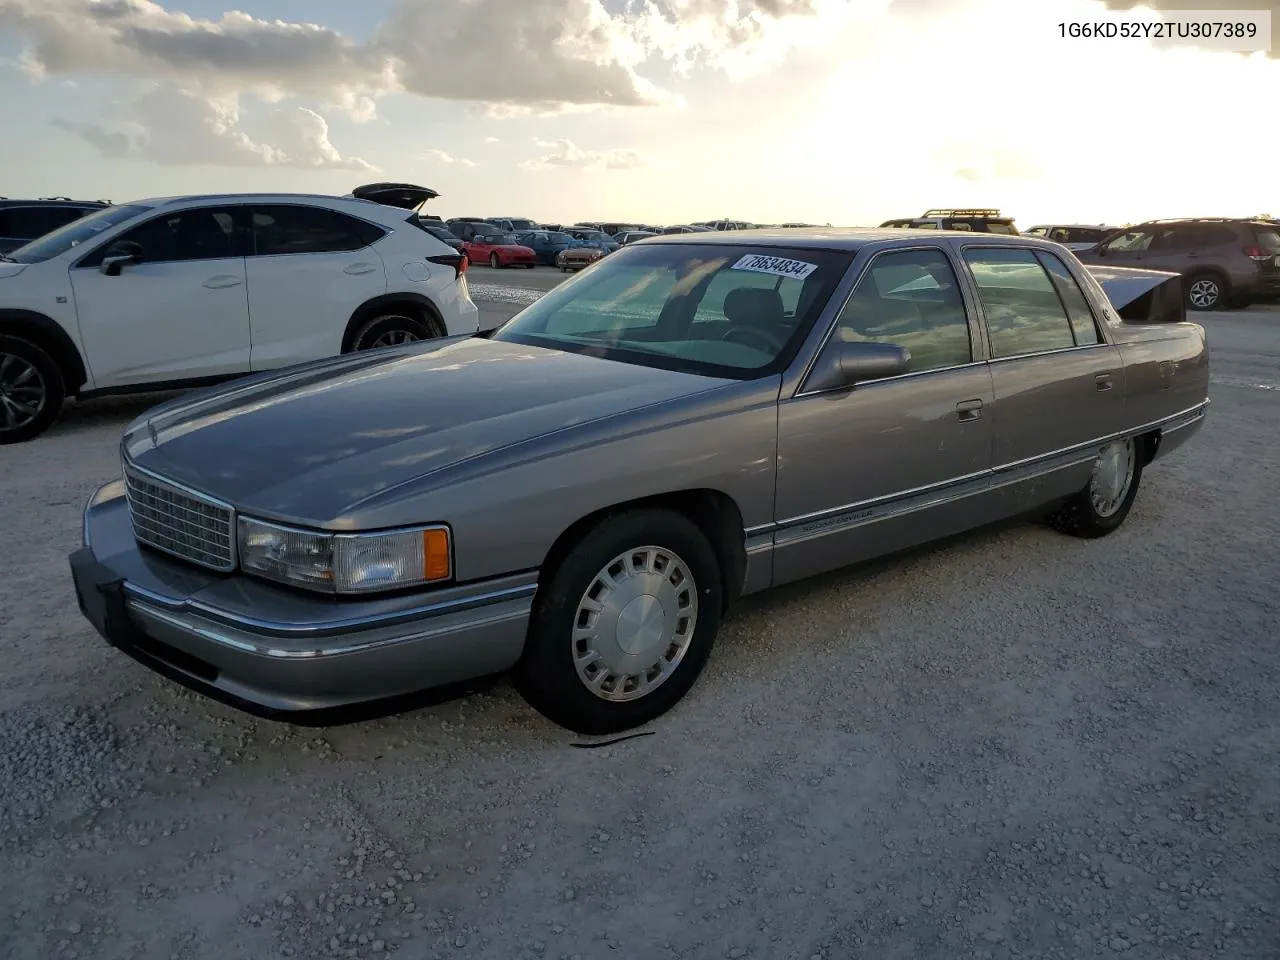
pixel 281 653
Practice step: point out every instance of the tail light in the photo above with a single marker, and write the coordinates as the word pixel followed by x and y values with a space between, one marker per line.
pixel 459 262
pixel 1261 254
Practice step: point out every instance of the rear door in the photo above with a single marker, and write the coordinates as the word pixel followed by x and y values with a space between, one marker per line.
pixel 1059 386
pixel 309 270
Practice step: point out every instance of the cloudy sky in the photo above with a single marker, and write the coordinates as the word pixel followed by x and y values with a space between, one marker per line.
pixel 841 111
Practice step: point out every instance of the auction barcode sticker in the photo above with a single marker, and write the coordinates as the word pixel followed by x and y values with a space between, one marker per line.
pixel 777 266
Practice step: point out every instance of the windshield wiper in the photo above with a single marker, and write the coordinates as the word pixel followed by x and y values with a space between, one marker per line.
pixel 5 259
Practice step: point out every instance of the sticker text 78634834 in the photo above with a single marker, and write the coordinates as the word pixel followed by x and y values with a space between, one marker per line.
pixel 777 266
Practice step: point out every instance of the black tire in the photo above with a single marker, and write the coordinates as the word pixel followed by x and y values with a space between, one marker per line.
pixel 547 676
pixel 530 265
pixel 22 364
pixel 494 261
pixel 397 328
pixel 1080 517
pixel 1206 291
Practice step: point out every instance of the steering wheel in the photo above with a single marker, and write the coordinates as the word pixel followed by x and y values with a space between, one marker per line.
pixel 744 335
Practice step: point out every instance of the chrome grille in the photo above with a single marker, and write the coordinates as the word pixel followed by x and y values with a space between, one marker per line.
pixel 180 522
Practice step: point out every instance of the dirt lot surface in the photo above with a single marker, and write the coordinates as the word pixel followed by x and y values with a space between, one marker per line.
pixel 1013 745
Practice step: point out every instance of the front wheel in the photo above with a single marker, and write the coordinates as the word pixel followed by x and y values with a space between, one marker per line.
pixel 31 390
pixel 624 624
pixel 1102 506
pixel 494 261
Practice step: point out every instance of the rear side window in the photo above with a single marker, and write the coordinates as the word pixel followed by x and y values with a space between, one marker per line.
pixel 1023 311
pixel 1083 326
pixel 281 230
pixel 912 299
pixel 27 223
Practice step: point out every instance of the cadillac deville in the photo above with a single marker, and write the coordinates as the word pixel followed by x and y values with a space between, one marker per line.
pixel 577 497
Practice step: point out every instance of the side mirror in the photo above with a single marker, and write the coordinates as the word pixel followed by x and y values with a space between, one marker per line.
pixel 118 256
pixel 845 364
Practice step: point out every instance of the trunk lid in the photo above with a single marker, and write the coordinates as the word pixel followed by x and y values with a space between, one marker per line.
pixel 407 196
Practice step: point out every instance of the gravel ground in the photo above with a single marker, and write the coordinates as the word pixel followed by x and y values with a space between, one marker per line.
pixel 1013 745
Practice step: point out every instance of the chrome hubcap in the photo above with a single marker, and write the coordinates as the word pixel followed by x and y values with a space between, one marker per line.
pixel 1203 293
pixel 634 623
pixel 1112 477
pixel 22 392
pixel 395 337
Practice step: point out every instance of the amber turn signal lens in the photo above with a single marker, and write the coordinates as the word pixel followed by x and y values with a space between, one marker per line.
pixel 435 555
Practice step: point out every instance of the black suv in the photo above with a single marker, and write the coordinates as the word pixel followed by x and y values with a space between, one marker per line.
pixel 1223 261
pixel 22 221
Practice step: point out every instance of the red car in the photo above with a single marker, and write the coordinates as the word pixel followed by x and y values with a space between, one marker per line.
pixel 499 250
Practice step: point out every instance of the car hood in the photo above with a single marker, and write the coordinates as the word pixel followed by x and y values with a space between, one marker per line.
pixel 310 443
pixel 8 270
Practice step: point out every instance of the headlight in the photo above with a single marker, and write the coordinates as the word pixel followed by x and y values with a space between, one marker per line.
pixel 345 562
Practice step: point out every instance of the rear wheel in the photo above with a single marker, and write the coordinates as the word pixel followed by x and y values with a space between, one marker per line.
pixel 31 390
pixel 393 329
pixel 494 261
pixel 1101 507
pixel 624 624
pixel 1206 291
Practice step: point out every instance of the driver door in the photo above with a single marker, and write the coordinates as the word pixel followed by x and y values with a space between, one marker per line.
pixel 181 313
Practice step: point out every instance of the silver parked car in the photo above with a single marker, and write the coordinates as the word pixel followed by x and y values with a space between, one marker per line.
pixel 579 496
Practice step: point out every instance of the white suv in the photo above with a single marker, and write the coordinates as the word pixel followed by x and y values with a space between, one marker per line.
pixel 188 291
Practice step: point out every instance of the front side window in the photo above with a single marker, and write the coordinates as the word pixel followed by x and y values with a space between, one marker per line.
pixel 714 309
pixel 1133 241
pixel 1024 314
pixel 84 230
pixel 284 229
pixel 911 298
pixel 1036 232
pixel 205 233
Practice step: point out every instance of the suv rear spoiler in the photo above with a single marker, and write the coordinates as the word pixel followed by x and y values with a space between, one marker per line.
pixel 1142 296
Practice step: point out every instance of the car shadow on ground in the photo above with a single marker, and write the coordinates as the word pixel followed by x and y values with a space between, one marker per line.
pixel 105 411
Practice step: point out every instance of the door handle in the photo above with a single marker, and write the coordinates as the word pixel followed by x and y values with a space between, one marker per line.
pixel 969 410
pixel 1102 381
pixel 358 268
pixel 224 280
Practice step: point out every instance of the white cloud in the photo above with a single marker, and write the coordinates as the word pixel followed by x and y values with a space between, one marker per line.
pixel 564 153
pixel 175 127
pixel 530 52
pixel 439 156
pixel 492 140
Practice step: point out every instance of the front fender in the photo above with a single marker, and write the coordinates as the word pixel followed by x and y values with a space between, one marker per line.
pixel 508 508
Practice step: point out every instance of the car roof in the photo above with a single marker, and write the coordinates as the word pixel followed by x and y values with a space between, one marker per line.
pixel 839 238
pixel 1072 226
pixel 51 202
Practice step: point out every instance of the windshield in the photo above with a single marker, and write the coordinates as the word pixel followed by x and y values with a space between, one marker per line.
pixel 592 235
pixel 712 309
pixel 559 238
pixel 75 233
pixel 520 224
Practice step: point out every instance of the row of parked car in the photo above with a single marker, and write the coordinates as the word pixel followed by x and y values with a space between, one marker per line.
pixel 1224 261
